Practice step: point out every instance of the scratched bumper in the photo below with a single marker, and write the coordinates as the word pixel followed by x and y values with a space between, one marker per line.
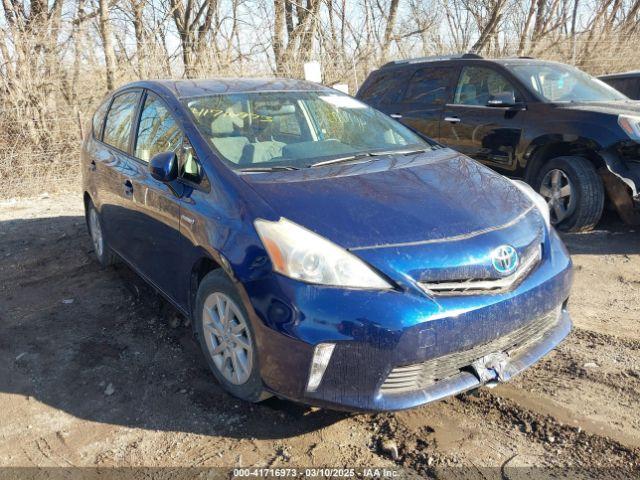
pixel 467 381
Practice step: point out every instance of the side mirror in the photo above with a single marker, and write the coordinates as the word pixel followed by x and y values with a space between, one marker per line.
pixel 164 167
pixel 502 99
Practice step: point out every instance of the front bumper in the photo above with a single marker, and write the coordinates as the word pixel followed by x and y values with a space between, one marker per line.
pixel 625 170
pixel 375 332
pixel 466 380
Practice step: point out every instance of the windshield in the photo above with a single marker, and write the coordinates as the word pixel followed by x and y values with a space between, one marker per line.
pixel 296 129
pixel 562 83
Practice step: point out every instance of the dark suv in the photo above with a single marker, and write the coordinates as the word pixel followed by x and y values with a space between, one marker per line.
pixel 569 135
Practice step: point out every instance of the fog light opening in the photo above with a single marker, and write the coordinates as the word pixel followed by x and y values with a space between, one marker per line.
pixel 321 356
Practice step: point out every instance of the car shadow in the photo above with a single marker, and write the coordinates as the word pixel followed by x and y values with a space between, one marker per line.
pixel 610 237
pixel 101 345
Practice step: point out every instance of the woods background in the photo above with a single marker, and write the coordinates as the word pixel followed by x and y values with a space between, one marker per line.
pixel 58 58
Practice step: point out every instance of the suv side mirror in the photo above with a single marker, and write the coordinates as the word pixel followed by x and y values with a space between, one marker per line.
pixel 502 99
pixel 164 167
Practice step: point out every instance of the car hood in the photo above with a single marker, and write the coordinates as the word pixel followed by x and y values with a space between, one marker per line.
pixel 394 200
pixel 629 107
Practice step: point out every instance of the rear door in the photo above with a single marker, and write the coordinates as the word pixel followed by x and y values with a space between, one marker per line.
pixel 486 133
pixel 112 168
pixel 421 104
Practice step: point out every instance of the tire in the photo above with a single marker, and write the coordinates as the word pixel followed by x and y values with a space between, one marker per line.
pixel 100 247
pixel 579 210
pixel 235 367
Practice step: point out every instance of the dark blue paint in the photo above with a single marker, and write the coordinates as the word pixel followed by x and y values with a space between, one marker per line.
pixel 410 217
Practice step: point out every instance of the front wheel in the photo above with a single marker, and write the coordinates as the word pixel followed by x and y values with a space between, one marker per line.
pixel 227 338
pixel 574 192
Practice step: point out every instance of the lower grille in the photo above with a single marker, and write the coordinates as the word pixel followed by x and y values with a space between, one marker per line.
pixel 418 376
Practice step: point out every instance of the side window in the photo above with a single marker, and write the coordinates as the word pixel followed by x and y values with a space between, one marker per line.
pixel 477 85
pixel 157 131
pixel 377 88
pixel 384 89
pixel 628 86
pixel 117 128
pixel 430 86
pixel 98 119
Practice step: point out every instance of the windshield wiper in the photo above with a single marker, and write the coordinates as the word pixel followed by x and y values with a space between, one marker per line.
pixel 398 152
pixel 348 158
pixel 274 168
pixel 359 156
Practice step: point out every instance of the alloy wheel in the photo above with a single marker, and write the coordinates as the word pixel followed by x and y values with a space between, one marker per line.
pixel 227 337
pixel 557 190
pixel 96 232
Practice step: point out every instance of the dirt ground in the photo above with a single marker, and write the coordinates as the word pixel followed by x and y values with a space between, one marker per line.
pixel 97 370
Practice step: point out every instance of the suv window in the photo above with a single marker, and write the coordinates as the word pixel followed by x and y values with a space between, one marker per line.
pixel 98 119
pixel 628 86
pixel 117 128
pixel 477 85
pixel 157 131
pixel 430 86
pixel 385 88
pixel 378 88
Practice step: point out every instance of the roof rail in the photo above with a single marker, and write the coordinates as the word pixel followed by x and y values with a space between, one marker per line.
pixel 437 58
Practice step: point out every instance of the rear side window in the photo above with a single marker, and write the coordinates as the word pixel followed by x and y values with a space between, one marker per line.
pixel 628 86
pixel 98 120
pixel 117 128
pixel 384 89
pixel 430 86
pixel 157 131
pixel 477 85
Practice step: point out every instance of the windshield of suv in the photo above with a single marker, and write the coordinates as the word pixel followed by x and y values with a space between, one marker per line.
pixel 269 130
pixel 562 83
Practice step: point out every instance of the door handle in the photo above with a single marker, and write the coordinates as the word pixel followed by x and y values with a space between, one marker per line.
pixel 128 188
pixel 92 166
pixel 452 119
pixel 395 115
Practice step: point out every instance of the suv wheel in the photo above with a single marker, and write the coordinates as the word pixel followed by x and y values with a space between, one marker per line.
pixel 574 192
pixel 227 338
pixel 103 253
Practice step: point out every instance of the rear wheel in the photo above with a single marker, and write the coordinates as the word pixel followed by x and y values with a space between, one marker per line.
pixel 104 255
pixel 227 338
pixel 574 192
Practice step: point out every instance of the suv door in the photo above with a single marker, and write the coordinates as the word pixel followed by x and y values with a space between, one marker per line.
pixel 423 101
pixel 487 133
pixel 111 166
pixel 153 230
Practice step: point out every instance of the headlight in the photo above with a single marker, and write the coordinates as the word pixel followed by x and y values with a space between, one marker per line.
pixel 630 125
pixel 537 200
pixel 301 254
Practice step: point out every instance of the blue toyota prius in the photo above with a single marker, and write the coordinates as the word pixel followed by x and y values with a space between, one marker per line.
pixel 324 252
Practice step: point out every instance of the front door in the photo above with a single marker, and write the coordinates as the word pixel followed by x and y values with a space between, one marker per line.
pixel 471 125
pixel 153 230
